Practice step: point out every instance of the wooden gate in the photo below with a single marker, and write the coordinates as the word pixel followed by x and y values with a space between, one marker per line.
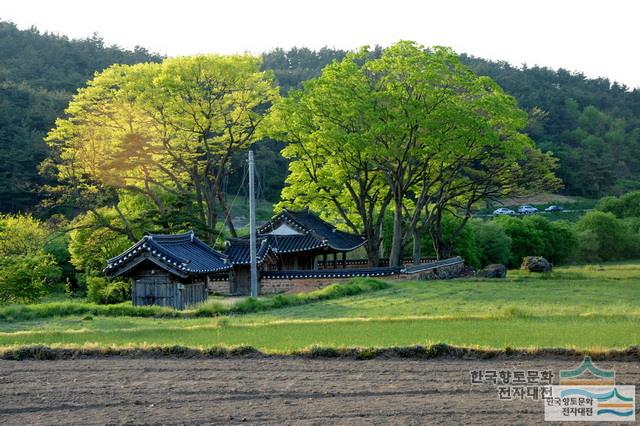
pixel 162 290
pixel 156 289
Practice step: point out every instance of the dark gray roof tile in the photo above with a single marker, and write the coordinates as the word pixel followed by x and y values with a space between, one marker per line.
pixel 180 252
pixel 309 223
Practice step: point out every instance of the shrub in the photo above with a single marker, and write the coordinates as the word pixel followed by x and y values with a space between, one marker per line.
pixel 494 245
pixel 21 235
pixel 603 237
pixel 560 239
pixel 103 292
pixel 116 292
pixel 538 236
pixel 91 245
pixel 633 224
pixel 58 247
pixel 464 244
pixel 526 240
pixel 627 205
pixel 24 279
pixel 588 247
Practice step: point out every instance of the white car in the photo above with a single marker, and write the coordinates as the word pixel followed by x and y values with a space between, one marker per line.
pixel 503 210
pixel 526 209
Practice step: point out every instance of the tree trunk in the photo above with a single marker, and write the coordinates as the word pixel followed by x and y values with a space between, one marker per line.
pixel 373 253
pixel 417 246
pixel 227 214
pixel 212 220
pixel 435 232
pixel 442 248
pixel 200 201
pixel 396 242
pixel 446 251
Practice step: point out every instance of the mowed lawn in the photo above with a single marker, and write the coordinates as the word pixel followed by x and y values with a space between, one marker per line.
pixel 589 307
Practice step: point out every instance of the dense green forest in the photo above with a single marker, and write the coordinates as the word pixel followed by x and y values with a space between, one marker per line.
pixel 591 125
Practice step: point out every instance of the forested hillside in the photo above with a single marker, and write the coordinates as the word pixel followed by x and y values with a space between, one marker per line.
pixel 39 73
pixel 592 125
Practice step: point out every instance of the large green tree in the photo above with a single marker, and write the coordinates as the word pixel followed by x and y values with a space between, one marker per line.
pixel 166 132
pixel 410 129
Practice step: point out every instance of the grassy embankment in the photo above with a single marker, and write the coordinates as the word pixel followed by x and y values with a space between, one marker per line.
pixel 576 307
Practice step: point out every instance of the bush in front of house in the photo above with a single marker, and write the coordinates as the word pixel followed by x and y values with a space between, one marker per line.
pixel 26 279
pixel 105 292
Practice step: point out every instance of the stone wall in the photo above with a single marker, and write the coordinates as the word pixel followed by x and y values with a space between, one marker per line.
pixel 296 285
pixel 299 285
pixel 364 263
pixel 222 287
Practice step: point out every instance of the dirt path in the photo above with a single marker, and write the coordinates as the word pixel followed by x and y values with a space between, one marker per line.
pixel 266 391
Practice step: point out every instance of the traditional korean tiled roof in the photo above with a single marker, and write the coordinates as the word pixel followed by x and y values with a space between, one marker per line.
pixel 306 222
pixel 295 243
pixel 181 254
pixel 238 250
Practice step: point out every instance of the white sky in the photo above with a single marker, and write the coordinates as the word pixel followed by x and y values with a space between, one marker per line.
pixel 599 38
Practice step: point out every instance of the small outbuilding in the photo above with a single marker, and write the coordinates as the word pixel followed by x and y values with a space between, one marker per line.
pixel 168 270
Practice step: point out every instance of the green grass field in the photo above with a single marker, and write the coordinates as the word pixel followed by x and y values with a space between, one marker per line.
pixel 590 307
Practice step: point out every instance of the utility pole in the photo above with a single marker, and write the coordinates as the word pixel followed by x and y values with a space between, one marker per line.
pixel 252 228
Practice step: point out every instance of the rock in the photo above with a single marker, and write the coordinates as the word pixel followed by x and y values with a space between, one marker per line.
pixel 536 264
pixel 467 271
pixel 496 270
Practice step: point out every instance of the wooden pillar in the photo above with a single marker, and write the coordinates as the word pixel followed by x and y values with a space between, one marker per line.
pixel 335 258
pixel 324 261
pixel 344 260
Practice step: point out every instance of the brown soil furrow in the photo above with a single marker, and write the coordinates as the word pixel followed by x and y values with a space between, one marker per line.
pixel 275 390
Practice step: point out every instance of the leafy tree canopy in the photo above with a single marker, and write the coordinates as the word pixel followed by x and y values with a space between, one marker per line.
pixel 166 133
pixel 413 129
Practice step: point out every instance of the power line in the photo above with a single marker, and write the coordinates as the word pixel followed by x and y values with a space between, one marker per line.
pixel 224 223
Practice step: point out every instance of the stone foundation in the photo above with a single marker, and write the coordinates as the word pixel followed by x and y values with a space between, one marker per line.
pixel 441 273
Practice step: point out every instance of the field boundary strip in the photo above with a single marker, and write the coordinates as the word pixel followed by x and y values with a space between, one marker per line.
pixel 444 351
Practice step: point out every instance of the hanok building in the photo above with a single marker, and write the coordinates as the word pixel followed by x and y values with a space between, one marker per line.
pixel 168 270
pixel 291 241
pixel 296 251
pixel 301 237
pixel 239 254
